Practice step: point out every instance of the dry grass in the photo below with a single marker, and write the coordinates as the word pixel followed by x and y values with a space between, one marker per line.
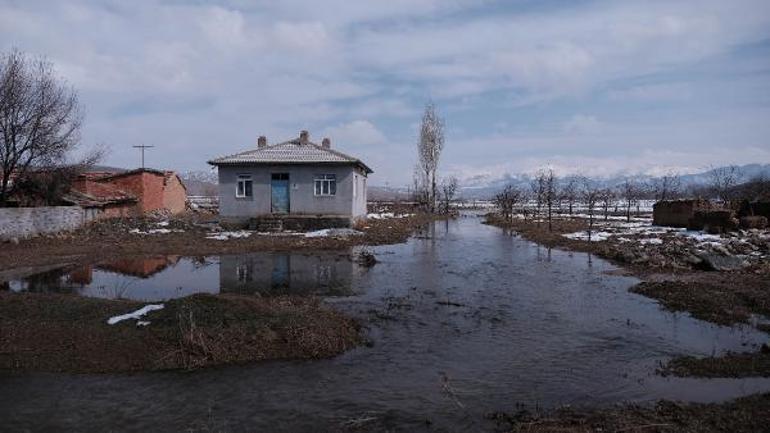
pixel 748 414
pixel 69 333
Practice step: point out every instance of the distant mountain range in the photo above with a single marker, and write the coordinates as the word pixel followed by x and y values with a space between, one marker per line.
pixel 480 187
pixel 484 187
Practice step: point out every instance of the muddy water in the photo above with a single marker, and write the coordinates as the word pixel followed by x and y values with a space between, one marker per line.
pixel 464 320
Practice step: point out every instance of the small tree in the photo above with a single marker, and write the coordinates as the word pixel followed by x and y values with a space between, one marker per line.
pixel 571 191
pixel 506 200
pixel 591 195
pixel 448 192
pixel 429 149
pixel 630 192
pixel 40 118
pixel 547 192
pixel 606 197
pixel 723 180
pixel 666 187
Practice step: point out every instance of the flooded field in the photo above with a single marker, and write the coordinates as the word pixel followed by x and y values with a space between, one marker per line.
pixel 464 320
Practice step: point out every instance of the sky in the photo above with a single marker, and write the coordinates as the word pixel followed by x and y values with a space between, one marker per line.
pixel 584 86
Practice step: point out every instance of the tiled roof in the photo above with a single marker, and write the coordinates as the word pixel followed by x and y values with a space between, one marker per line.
pixel 289 152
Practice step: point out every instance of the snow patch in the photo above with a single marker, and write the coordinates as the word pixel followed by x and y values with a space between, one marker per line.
pixel 333 233
pixel 387 215
pixel 583 236
pixel 155 231
pixel 134 315
pixel 223 236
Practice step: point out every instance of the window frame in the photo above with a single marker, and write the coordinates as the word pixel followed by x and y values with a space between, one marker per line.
pixel 247 192
pixel 325 185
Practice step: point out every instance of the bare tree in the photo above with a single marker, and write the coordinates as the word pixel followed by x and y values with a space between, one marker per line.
pixel 448 192
pixel 429 151
pixel 606 197
pixel 723 180
pixel 570 191
pixel 666 187
pixel 630 192
pixel 421 190
pixel 506 200
pixel 537 188
pixel 591 195
pixel 550 193
pixel 40 118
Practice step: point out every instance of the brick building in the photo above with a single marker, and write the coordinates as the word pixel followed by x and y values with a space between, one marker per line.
pixel 131 193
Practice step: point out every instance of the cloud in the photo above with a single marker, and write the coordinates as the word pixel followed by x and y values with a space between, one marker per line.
pixel 356 133
pixel 582 124
pixel 599 82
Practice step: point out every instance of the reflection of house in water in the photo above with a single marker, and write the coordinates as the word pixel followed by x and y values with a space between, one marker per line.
pixel 322 273
pixel 142 268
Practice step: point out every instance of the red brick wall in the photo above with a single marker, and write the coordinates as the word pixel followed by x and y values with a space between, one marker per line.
pixel 175 195
pixel 147 187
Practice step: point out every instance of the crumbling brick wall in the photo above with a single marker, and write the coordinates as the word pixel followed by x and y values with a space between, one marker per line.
pixel 174 194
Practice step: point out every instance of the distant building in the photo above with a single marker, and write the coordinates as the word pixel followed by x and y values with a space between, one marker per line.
pixel 297 182
pixel 130 193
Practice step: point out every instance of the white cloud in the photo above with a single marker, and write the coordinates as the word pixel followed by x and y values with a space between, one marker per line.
pixel 356 133
pixel 582 124
pixel 208 78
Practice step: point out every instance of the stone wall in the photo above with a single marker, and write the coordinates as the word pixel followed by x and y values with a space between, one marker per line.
pixel 23 222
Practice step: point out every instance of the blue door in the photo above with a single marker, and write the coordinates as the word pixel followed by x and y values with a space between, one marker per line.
pixel 279 186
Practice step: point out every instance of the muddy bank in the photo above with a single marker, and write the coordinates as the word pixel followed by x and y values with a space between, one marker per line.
pixel 749 414
pixel 187 236
pixel 729 365
pixel 67 333
pixel 723 297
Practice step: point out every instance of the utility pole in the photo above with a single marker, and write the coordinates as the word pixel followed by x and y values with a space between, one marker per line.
pixel 142 146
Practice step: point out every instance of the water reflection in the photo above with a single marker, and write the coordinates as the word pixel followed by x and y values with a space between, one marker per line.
pixel 166 277
pixel 285 273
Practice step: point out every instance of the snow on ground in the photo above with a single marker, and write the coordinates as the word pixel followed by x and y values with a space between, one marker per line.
pixel 155 231
pixel 223 236
pixel 333 233
pixel 387 215
pixel 593 237
pixel 135 314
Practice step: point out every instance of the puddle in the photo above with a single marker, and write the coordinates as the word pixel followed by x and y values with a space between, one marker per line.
pixel 464 319
pixel 167 277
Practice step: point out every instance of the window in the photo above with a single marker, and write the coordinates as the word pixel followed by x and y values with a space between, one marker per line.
pixel 355 184
pixel 245 186
pixel 325 184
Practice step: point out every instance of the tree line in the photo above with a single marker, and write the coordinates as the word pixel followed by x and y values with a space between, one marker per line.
pixel 547 192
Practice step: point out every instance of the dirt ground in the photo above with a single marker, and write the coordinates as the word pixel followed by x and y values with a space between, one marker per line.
pixel 112 239
pixel 70 333
pixel 749 414
pixel 722 297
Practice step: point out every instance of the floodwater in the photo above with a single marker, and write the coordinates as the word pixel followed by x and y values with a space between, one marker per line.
pixel 464 320
pixel 150 279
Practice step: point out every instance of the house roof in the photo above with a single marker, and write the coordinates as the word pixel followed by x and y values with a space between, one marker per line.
pixel 290 152
pixel 167 174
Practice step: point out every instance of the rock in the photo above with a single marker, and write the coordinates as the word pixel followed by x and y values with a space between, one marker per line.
pixel 717 262
pixel 753 222
pixel 14 240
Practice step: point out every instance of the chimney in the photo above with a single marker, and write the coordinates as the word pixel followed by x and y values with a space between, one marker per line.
pixel 261 142
pixel 326 143
pixel 304 137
